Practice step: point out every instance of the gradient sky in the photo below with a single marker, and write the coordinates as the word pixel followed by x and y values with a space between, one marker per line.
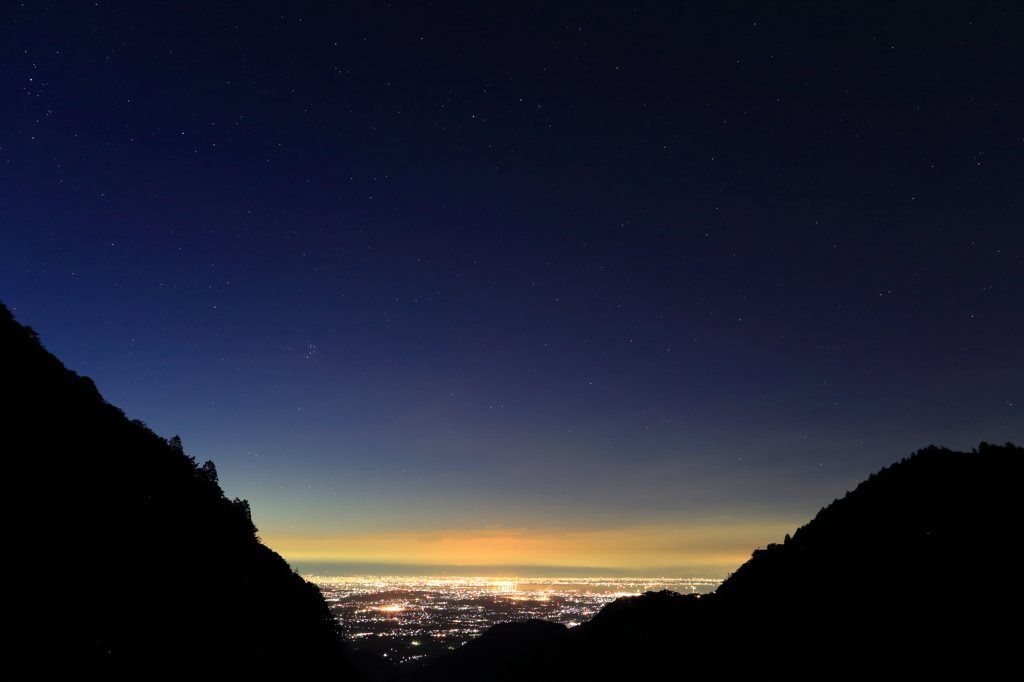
pixel 627 285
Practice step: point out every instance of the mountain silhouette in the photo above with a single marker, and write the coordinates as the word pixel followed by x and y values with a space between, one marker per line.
pixel 910 574
pixel 134 562
pixel 132 558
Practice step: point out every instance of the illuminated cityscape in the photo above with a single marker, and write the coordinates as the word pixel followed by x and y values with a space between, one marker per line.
pixel 404 619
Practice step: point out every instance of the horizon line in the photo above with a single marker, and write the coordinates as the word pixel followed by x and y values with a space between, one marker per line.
pixel 354 569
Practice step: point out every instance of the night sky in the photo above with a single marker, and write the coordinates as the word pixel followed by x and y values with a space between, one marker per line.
pixel 632 286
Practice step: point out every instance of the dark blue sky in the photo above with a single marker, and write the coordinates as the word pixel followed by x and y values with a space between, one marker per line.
pixel 525 268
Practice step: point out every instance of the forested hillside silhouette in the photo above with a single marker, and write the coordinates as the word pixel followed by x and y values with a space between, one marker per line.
pixel 131 559
pixel 883 582
pixel 130 555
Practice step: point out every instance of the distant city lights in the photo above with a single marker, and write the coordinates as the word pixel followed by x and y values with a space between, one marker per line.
pixel 405 619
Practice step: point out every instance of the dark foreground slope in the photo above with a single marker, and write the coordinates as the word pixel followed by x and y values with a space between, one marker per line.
pixel 883 582
pixel 130 555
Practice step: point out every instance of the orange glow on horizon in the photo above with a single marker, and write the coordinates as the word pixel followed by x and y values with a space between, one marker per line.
pixel 718 547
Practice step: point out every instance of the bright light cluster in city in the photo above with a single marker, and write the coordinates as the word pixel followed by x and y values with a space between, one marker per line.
pixel 405 619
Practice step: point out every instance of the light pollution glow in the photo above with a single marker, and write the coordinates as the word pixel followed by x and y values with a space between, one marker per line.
pixel 714 548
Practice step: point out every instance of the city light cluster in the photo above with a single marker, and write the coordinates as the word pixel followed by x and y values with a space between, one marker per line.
pixel 405 619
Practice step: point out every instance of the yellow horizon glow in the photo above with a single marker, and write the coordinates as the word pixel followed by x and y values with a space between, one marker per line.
pixel 718 547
